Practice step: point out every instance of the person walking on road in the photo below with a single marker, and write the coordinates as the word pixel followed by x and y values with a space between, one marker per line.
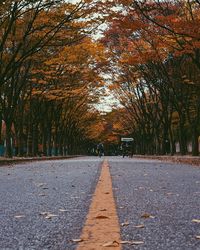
pixel 100 149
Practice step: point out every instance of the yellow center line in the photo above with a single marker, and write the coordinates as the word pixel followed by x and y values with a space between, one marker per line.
pixel 101 230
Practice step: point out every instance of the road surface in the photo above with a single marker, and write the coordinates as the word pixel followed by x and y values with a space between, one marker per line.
pixel 44 205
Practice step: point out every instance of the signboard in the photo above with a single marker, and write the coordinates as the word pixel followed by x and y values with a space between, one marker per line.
pixel 127 139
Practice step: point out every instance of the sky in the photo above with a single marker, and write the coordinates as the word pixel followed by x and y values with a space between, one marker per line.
pixel 107 101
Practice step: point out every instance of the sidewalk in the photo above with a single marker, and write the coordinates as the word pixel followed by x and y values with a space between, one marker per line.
pixel 16 160
pixel 184 159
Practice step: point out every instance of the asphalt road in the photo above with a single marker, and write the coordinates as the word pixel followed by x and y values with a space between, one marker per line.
pixel 43 205
pixel 63 188
pixel 168 193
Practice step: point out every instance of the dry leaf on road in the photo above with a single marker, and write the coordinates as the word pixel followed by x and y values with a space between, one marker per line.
pixel 139 226
pixel 196 220
pixel 42 194
pixel 19 216
pixel 111 244
pixel 62 210
pixel 131 242
pixel 43 213
pixel 198 237
pixel 146 216
pixel 101 217
pixel 77 240
pixel 40 184
pixel 125 224
pixel 49 216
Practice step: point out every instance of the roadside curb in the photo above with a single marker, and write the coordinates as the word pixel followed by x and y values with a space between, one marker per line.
pixel 4 161
pixel 192 160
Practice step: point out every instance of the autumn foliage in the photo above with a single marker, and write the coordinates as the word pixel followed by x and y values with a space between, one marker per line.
pixel 54 71
pixel 49 75
pixel 154 54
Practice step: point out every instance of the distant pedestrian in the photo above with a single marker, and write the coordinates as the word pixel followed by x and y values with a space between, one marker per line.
pixel 100 149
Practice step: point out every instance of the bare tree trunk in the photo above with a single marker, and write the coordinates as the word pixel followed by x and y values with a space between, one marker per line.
pixel 195 142
pixel 8 152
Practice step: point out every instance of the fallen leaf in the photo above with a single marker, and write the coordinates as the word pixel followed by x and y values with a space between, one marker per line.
pixel 42 194
pixel 125 242
pixel 137 242
pixel 198 237
pixel 103 209
pixel 43 213
pixel 196 221
pixel 139 226
pixel 49 216
pixel 107 193
pixel 125 224
pixel 40 184
pixel 132 242
pixel 146 216
pixel 19 216
pixel 77 240
pixel 101 217
pixel 111 244
pixel 62 210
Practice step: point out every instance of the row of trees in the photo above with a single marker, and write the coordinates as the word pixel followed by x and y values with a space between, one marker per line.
pixel 49 75
pixel 154 52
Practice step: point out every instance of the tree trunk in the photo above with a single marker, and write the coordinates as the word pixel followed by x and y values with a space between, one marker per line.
pixel 182 139
pixel 172 144
pixel 8 152
pixel 0 126
pixel 195 142
pixel 35 140
pixel 29 142
pixel 49 143
pixel 21 143
pixel 44 141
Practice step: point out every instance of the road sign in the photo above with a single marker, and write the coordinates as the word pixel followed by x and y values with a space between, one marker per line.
pixel 127 139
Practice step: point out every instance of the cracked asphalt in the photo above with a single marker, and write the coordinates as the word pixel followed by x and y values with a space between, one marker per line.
pixel 43 205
